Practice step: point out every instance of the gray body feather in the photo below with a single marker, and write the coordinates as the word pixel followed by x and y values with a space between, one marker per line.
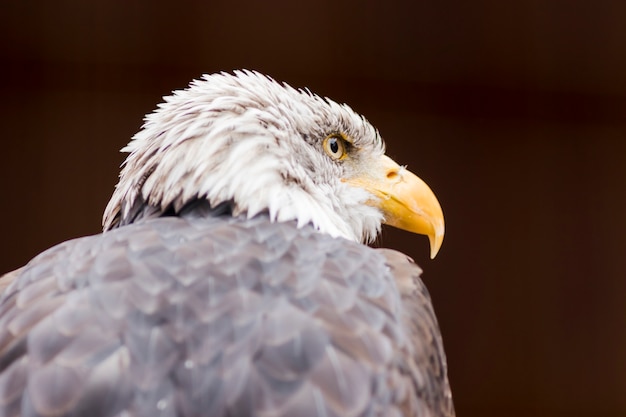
pixel 219 316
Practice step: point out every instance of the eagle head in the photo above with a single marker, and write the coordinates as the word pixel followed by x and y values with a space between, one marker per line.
pixel 248 143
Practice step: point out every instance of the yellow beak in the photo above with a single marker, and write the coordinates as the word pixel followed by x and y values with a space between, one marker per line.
pixel 405 200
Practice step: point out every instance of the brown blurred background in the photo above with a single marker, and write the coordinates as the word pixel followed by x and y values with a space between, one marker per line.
pixel 514 113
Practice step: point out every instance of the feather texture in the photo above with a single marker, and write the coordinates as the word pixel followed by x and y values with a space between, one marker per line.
pixel 219 317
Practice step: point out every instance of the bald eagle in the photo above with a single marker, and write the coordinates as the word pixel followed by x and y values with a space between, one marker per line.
pixel 232 278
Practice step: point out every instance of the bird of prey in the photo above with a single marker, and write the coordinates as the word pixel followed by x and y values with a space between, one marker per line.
pixel 232 277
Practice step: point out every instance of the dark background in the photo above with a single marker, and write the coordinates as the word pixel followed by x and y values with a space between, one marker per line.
pixel 513 112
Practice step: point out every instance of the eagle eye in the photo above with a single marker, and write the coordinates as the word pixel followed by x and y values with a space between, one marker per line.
pixel 335 146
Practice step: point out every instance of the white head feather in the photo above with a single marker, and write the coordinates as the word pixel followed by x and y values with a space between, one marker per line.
pixel 248 141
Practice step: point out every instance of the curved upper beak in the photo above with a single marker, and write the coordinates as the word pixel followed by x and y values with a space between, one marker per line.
pixel 405 200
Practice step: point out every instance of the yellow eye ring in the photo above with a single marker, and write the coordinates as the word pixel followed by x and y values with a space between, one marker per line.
pixel 335 147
